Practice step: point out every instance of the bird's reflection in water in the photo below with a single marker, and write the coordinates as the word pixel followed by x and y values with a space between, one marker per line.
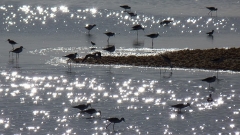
pixel 167 75
pixel 89 38
pixel 138 44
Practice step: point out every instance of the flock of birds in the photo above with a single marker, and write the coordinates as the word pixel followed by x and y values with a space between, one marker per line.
pixel 111 48
pixel 84 109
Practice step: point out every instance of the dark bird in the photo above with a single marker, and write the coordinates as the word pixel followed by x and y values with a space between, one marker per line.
pixel 137 27
pixel 96 55
pixel 168 60
pixel 71 58
pixel 125 7
pixel 209 99
pixel 154 35
pixel 82 106
pixel 180 106
pixel 210 33
pixel 109 34
pixel 165 22
pixel 114 120
pixel 110 48
pixel 210 80
pixel 12 42
pixel 91 111
pixel 89 27
pixel 93 43
pixel 132 14
pixel 17 51
pixel 212 9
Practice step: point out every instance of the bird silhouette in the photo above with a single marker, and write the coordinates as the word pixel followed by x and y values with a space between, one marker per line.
pixel 165 22
pixel 154 35
pixel 114 120
pixel 180 106
pixel 209 80
pixel 82 106
pixel 12 43
pixel 212 9
pixel 89 27
pixel 96 55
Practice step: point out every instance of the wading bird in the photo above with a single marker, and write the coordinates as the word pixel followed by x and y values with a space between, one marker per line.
pixel 154 35
pixel 210 33
pixel 137 27
pixel 17 51
pixel 114 120
pixel 125 7
pixel 109 34
pixel 91 111
pixel 96 55
pixel 132 14
pixel 210 80
pixel 180 106
pixel 12 43
pixel 71 58
pixel 165 22
pixel 212 9
pixel 82 106
pixel 109 48
pixel 89 27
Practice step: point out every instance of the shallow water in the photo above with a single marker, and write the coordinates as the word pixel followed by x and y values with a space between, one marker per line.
pixel 37 92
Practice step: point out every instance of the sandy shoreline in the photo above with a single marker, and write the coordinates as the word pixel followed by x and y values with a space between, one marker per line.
pixel 180 59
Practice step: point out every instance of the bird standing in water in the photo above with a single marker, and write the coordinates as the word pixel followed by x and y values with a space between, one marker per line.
pixel 82 106
pixel 114 120
pixel 209 80
pixel 180 106
pixel 12 43
pixel 89 28
pixel 212 9
pixel 71 58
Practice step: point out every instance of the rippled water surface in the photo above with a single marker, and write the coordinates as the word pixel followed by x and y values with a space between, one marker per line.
pixel 37 91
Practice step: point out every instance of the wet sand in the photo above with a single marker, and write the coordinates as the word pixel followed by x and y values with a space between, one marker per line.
pixel 197 58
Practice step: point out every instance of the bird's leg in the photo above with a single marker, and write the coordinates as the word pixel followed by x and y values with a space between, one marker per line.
pixel 108 125
pixel 152 43
pixel 113 125
pixel 108 40
pixel 209 12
